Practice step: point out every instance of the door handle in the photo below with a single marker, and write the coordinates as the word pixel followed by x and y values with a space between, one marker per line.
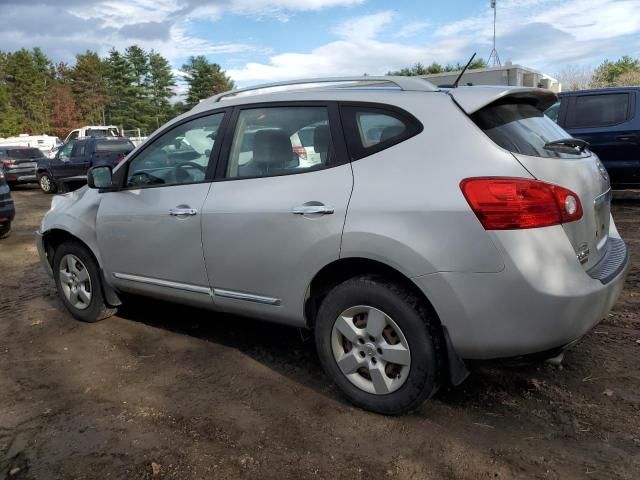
pixel 182 212
pixel 312 209
pixel 627 138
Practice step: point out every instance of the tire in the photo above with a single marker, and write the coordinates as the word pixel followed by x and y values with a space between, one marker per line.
pixel 81 290
pixel 399 388
pixel 5 229
pixel 47 183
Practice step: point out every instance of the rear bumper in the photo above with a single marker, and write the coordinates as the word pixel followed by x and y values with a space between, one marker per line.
pixel 7 210
pixel 42 253
pixel 17 176
pixel 541 301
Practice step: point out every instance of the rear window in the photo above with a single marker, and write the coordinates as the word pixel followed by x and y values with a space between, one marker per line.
pixel 24 153
pixel 120 146
pixel 369 130
pixel 521 128
pixel 600 110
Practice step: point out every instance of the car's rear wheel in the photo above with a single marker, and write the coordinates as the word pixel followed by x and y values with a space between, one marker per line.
pixel 379 344
pixel 47 184
pixel 79 283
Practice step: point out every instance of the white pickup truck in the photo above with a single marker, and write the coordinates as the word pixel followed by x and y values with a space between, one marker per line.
pixel 93 131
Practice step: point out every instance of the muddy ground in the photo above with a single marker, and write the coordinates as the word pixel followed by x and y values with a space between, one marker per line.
pixel 161 391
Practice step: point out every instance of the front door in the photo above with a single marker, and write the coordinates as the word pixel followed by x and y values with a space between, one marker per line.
pixel 79 162
pixel 273 219
pixel 59 165
pixel 149 232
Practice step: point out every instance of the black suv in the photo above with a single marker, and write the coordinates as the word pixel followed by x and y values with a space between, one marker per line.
pixel 609 119
pixel 7 209
pixel 76 157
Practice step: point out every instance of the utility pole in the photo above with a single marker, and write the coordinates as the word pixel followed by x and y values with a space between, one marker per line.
pixel 494 58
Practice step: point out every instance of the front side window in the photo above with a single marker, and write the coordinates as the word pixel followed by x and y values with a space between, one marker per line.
pixel 74 134
pixel 78 149
pixel 179 156
pixel 600 110
pixel 65 151
pixel 279 141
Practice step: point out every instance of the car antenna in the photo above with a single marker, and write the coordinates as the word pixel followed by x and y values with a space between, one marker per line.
pixel 455 84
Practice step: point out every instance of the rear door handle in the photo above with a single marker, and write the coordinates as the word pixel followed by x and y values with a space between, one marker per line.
pixel 182 212
pixel 312 209
pixel 627 138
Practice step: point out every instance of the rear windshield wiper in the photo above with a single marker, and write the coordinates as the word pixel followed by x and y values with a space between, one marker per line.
pixel 567 145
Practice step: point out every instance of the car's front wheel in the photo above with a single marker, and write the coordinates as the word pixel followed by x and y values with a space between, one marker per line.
pixel 79 284
pixel 47 183
pixel 379 344
pixel 5 229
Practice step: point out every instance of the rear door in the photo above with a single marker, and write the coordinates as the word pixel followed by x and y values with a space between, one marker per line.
pixel 271 222
pixel 608 123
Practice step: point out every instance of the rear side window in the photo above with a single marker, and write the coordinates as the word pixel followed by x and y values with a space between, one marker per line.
pixel 521 128
pixel 371 129
pixel 118 146
pixel 275 141
pixel 25 153
pixel 600 110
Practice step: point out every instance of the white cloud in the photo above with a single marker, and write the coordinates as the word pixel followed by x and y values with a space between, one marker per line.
pixel 537 33
pixel 410 29
pixel 364 27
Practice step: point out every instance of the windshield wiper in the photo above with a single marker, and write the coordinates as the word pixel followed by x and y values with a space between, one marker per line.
pixel 567 145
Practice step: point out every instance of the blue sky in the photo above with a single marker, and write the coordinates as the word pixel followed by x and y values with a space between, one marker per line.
pixel 265 40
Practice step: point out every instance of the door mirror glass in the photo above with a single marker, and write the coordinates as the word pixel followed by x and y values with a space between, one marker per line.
pixel 100 177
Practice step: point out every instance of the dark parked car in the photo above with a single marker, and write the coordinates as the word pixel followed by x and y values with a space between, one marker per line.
pixel 75 157
pixel 7 209
pixel 609 119
pixel 19 163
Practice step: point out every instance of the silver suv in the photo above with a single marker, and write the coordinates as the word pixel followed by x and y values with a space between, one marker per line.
pixel 432 226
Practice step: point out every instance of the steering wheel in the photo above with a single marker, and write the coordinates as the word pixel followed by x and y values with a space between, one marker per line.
pixel 183 166
pixel 191 164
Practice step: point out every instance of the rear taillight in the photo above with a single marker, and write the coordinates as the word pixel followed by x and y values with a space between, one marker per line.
pixel 9 163
pixel 301 152
pixel 503 203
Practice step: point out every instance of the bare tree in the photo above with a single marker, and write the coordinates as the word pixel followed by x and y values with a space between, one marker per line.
pixel 575 77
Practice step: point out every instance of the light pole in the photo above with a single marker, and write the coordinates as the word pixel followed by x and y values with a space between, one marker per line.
pixel 494 58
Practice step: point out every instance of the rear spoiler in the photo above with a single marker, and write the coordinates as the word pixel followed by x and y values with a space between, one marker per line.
pixel 474 98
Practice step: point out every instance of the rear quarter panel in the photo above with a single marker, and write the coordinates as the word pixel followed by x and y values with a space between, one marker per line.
pixel 407 209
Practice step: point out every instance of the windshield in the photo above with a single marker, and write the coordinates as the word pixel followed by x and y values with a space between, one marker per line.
pixel 522 128
pixel 24 153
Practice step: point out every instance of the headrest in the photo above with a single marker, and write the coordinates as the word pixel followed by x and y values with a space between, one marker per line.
pixel 272 147
pixel 390 132
pixel 321 138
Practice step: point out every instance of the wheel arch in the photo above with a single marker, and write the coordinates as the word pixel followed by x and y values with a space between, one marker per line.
pixel 343 269
pixel 54 237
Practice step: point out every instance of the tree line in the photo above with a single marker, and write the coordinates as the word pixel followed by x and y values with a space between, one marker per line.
pixel 620 73
pixel 130 89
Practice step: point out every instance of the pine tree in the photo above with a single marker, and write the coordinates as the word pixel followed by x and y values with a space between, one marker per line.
pixel 89 85
pixel 161 85
pixel 64 114
pixel 204 79
pixel 142 110
pixel 122 93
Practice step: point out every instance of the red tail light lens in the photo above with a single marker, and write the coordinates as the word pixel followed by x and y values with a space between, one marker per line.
pixel 301 152
pixel 502 203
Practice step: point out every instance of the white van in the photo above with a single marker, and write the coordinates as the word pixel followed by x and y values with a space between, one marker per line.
pixel 47 144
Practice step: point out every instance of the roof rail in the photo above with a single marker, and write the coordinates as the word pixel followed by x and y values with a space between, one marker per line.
pixel 410 84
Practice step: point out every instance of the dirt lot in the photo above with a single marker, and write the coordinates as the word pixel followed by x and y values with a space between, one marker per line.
pixel 169 392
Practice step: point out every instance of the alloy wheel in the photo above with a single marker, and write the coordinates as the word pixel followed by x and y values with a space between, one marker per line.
pixel 370 350
pixel 75 281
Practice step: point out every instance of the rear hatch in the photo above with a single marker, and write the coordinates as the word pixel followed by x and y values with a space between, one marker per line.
pixel 514 120
pixel 22 160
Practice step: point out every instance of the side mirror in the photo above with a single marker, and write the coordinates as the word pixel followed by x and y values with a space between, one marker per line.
pixel 100 177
